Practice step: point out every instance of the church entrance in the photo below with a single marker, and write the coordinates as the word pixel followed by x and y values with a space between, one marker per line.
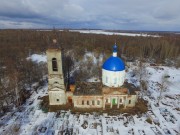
pixel 70 100
pixel 113 101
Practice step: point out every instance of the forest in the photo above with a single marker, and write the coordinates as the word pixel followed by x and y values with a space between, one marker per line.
pixel 17 74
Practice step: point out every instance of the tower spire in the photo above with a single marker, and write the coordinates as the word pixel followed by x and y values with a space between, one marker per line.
pixel 115 50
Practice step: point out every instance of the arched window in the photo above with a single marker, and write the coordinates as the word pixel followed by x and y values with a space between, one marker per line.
pixel 54 64
pixel 106 100
pixel 120 100
pixel 98 102
pixel 93 102
pixel 106 79
pixel 115 80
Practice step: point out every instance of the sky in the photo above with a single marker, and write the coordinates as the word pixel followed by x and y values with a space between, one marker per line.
pixel 153 15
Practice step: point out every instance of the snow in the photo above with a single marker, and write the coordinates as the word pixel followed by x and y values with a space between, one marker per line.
pixel 174 79
pixel 38 58
pixel 113 33
pixel 157 72
pixel 104 32
pixel 89 56
pixel 93 79
pixel 32 120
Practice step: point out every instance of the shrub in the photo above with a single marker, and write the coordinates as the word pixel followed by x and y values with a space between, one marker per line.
pixel 149 120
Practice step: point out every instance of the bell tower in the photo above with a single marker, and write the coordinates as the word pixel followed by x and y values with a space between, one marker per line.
pixel 56 87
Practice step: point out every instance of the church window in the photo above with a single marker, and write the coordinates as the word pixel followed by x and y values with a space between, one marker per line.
pixel 120 100
pixel 57 100
pixel 129 101
pixel 87 102
pixel 82 102
pixel 115 80
pixel 93 102
pixel 98 102
pixel 106 79
pixel 106 100
pixel 54 64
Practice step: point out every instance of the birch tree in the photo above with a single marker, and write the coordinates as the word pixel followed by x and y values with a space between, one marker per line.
pixel 142 76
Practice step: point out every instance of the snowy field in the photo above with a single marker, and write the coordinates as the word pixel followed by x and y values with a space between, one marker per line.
pixel 29 119
pixel 113 33
pixel 104 32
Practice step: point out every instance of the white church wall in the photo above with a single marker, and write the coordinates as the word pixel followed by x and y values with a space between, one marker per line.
pixel 113 78
pixel 56 80
pixel 131 101
pixel 57 97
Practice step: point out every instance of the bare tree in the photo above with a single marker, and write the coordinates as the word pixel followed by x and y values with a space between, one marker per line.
pixel 143 76
pixel 14 79
pixel 163 85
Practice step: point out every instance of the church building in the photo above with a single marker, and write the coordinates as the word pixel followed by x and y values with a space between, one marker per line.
pixel 111 92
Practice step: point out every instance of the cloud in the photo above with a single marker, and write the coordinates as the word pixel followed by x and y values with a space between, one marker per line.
pixel 103 14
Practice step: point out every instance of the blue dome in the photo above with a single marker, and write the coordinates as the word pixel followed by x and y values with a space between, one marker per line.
pixel 114 64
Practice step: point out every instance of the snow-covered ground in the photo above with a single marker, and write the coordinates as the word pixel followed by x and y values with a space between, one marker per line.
pixel 104 32
pixel 29 119
pixel 38 58
pixel 113 33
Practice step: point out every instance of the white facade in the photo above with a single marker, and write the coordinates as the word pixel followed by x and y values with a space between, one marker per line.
pixel 56 97
pixel 113 78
